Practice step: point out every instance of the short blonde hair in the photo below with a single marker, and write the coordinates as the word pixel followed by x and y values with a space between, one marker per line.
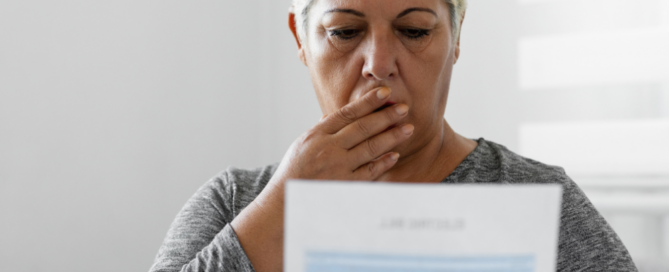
pixel 301 9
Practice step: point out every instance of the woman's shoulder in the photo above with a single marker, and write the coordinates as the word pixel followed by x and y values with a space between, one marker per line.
pixel 491 162
pixel 235 188
pixel 247 181
pixel 586 239
pixel 523 168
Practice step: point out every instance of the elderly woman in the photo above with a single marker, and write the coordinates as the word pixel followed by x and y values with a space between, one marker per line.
pixel 381 70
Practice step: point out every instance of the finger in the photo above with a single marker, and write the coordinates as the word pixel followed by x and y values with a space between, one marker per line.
pixel 376 168
pixel 374 147
pixel 370 125
pixel 354 110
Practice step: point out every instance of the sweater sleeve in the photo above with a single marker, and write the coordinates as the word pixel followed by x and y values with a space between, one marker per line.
pixel 201 238
pixel 587 242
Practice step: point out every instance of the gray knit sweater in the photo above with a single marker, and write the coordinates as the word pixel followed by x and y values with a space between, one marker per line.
pixel 201 239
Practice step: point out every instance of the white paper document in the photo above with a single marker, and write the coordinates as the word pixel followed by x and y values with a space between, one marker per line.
pixel 384 227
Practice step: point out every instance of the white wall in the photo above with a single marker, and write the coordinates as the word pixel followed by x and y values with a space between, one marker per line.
pixel 112 113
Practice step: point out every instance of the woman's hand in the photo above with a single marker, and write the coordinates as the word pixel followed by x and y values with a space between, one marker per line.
pixel 350 144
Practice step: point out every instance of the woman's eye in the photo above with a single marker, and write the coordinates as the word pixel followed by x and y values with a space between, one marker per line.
pixel 344 34
pixel 414 33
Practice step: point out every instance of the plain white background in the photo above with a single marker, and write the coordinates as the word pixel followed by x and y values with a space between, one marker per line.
pixel 112 113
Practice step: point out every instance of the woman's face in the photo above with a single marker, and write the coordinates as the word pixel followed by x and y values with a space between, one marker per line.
pixel 354 46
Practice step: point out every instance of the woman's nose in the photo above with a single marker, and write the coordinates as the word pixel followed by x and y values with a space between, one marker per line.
pixel 380 57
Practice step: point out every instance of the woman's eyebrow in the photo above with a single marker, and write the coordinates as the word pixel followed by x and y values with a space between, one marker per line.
pixel 410 10
pixel 350 11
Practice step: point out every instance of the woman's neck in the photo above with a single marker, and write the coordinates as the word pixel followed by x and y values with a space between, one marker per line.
pixel 434 161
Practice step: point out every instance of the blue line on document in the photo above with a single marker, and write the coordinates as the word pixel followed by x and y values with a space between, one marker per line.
pixel 358 262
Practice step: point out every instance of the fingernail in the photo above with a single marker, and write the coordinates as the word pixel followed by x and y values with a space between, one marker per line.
pixel 395 156
pixel 402 109
pixel 383 93
pixel 407 129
